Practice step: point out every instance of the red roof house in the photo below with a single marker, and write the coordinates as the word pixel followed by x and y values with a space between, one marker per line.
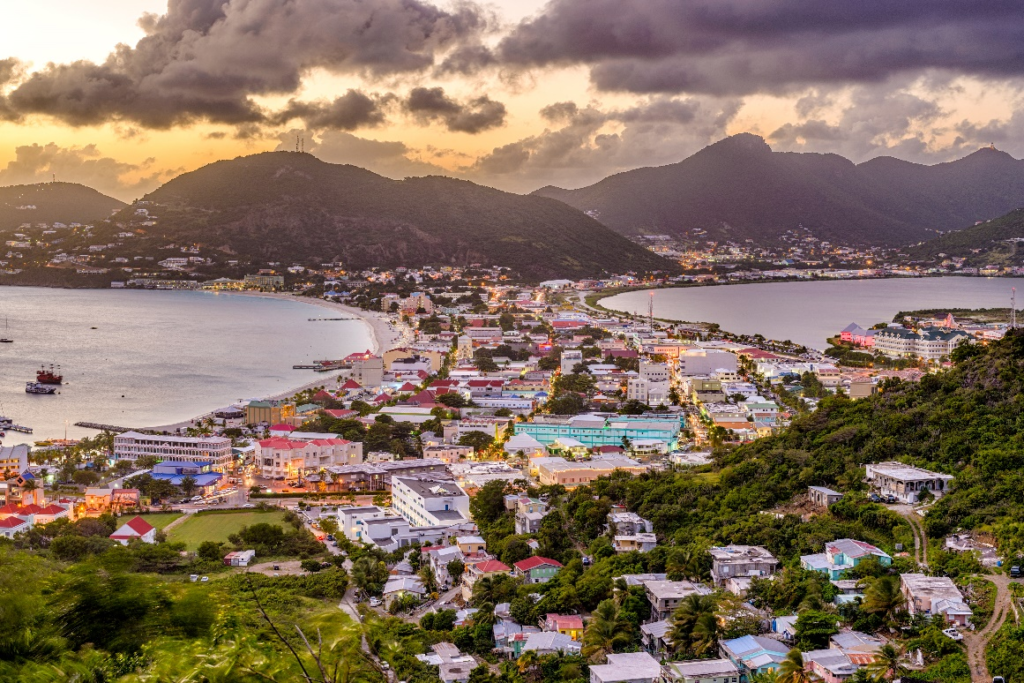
pixel 136 527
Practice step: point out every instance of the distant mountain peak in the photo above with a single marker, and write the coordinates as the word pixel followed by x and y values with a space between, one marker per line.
pixel 742 142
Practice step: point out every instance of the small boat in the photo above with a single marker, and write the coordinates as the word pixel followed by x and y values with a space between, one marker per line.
pixel 5 339
pixel 50 376
pixel 39 388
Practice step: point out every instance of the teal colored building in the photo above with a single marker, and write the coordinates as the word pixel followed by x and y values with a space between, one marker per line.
pixel 842 555
pixel 596 430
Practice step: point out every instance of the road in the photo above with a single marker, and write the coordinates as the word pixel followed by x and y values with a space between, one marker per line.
pixel 917 529
pixel 977 641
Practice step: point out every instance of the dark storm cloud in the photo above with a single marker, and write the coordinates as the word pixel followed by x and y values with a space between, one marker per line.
pixel 588 143
pixel 352 110
pixel 736 47
pixel 474 116
pixel 206 59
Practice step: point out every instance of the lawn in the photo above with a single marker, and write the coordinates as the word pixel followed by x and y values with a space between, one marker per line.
pixel 214 526
pixel 160 519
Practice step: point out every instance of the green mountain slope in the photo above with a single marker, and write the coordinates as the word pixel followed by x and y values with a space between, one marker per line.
pixel 992 242
pixel 53 202
pixel 295 208
pixel 738 189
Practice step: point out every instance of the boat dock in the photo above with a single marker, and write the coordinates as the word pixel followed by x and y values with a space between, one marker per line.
pixel 103 427
pixel 320 320
pixel 18 428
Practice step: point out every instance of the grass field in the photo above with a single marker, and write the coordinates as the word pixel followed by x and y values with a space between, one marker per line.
pixel 218 526
pixel 160 519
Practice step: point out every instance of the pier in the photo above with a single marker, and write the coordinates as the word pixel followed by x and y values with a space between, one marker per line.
pixel 18 428
pixel 103 427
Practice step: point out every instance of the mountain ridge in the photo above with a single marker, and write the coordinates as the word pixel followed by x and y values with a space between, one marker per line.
pixel 291 206
pixel 739 188
pixel 53 203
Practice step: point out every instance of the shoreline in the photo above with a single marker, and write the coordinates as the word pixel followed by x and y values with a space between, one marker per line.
pixel 383 336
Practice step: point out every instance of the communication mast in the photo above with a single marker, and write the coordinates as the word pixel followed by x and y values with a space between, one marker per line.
pixel 1013 308
pixel 296 143
pixel 650 311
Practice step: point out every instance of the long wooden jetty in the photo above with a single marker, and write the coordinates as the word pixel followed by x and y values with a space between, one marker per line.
pixel 103 427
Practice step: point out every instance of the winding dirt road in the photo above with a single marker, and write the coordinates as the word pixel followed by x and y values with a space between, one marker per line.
pixel 977 641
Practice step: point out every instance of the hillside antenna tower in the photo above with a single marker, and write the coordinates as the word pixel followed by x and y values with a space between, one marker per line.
pixel 650 311
pixel 302 144
pixel 296 143
pixel 1013 308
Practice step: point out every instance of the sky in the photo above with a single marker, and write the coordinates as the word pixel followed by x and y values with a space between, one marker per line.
pixel 123 95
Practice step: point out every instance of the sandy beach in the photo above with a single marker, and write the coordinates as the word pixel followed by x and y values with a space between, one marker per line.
pixel 384 337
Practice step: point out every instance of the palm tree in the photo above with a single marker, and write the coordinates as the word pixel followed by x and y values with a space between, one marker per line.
pixel 792 669
pixel 686 616
pixel 606 632
pixel 188 485
pixel 705 634
pixel 888 662
pixel 884 597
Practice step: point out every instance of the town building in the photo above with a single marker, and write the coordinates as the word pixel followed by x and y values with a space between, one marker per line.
pixel 211 449
pixel 546 643
pixel 201 474
pixel 569 360
pixel 572 473
pixel 14 458
pixel 665 595
pixel 135 528
pixel 599 430
pixel 831 666
pixel 823 496
pixel 754 654
pixel 656 637
pixel 906 482
pixel 627 667
pixel 268 412
pixel 529 513
pixel 706 361
pixel 702 671
pixel 641 543
pixel 734 561
pixel 927 344
pixel 567 624
pixel 536 569
pixel 283 457
pixel 935 595
pixel 842 555
pixel 429 501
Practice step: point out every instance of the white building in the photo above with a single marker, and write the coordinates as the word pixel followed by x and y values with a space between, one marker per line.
pixel 428 501
pixel 905 481
pixel 284 457
pixel 569 360
pixel 627 667
pixel 134 445
pixel 706 361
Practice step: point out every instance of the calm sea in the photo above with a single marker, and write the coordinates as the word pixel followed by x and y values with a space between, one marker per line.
pixel 810 312
pixel 144 358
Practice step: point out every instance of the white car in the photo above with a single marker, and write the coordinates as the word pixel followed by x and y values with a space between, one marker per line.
pixel 248 505
pixel 204 579
pixel 953 633
pixel 374 602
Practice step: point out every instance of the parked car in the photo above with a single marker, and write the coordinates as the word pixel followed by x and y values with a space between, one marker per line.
pixel 248 505
pixel 204 579
pixel 1015 572
pixel 890 499
pixel 374 602
pixel 953 633
pixel 874 498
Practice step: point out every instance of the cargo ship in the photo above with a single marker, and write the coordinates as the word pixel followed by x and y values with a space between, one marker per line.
pixel 50 376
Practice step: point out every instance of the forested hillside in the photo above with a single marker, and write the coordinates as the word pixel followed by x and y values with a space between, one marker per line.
pixel 295 208
pixel 53 202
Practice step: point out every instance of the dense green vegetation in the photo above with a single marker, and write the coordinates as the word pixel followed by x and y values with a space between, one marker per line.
pixel 981 245
pixel 739 189
pixel 54 202
pixel 296 208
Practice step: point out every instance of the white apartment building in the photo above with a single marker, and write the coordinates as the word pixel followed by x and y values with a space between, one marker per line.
pixel 214 449
pixel 283 457
pixel 637 390
pixel 569 360
pixel 706 361
pixel 654 372
pixel 927 344
pixel 429 501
